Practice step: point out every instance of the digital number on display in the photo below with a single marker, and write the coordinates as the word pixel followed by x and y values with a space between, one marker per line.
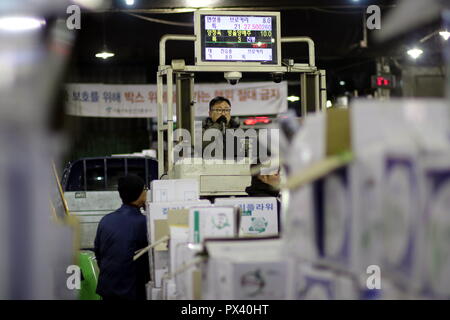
pixel 239 38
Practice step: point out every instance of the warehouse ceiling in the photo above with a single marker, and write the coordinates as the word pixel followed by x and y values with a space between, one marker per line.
pixel 336 26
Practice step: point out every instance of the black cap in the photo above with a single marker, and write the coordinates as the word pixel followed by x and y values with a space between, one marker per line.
pixel 130 188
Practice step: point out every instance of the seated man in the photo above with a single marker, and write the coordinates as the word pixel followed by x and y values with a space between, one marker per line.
pixel 220 119
pixel 220 115
pixel 119 235
pixel 264 183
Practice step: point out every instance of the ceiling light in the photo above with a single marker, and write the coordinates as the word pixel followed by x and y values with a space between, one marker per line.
pixel 20 23
pixel 89 4
pixel 104 55
pixel 445 34
pixel 293 98
pixel 129 2
pixel 342 83
pixel 415 53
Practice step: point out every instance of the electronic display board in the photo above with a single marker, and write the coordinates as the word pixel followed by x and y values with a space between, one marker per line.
pixel 238 37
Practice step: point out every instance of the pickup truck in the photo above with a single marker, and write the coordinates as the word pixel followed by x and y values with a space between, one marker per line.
pixel 90 188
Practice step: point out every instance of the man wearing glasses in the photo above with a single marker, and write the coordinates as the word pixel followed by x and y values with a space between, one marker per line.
pixel 219 118
pixel 220 114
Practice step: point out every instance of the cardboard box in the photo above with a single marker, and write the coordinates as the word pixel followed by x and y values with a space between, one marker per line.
pixel 259 215
pixel 174 190
pixel 212 222
pixel 158 211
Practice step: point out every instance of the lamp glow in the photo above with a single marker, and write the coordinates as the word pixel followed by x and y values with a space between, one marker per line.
pixel 20 23
pixel 293 98
pixel 445 34
pixel 415 53
pixel 104 55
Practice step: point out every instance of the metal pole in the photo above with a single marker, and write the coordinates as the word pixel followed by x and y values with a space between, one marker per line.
pixel 311 47
pixel 167 37
pixel 159 84
pixel 169 120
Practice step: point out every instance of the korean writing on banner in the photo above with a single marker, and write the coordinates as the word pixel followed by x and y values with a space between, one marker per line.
pixel 140 101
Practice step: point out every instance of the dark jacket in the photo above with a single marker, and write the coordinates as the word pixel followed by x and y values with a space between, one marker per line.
pixel 261 189
pixel 119 235
pixel 210 124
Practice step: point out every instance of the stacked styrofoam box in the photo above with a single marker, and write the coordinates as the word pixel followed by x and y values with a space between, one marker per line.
pixel 247 270
pixel 185 253
pixel 174 190
pixel 436 225
pixel 300 233
pixel 334 217
pixel 259 215
pixel 312 283
pixel 165 195
pixel 159 211
pixel 308 147
pixel 392 179
pixel 153 293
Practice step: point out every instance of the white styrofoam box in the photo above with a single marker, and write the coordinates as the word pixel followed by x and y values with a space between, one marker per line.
pixel 178 235
pixel 308 145
pixel 174 190
pixel 156 294
pixel 366 177
pixel 337 217
pixel 159 276
pixel 299 232
pixel 159 211
pixel 212 222
pixel 230 279
pixel 259 215
pixel 159 260
pixel 436 224
pixel 185 253
pixel 261 280
pixel 159 266
pixel 169 290
pixel 152 292
pixel 321 284
pixel 148 290
pixel 245 269
pixel 401 224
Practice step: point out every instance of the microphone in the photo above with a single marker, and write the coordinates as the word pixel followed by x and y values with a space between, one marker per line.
pixel 223 121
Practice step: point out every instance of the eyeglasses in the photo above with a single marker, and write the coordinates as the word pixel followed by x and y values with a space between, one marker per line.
pixel 221 110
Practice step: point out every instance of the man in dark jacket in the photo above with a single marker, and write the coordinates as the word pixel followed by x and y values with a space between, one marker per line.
pixel 220 119
pixel 119 235
pixel 264 185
